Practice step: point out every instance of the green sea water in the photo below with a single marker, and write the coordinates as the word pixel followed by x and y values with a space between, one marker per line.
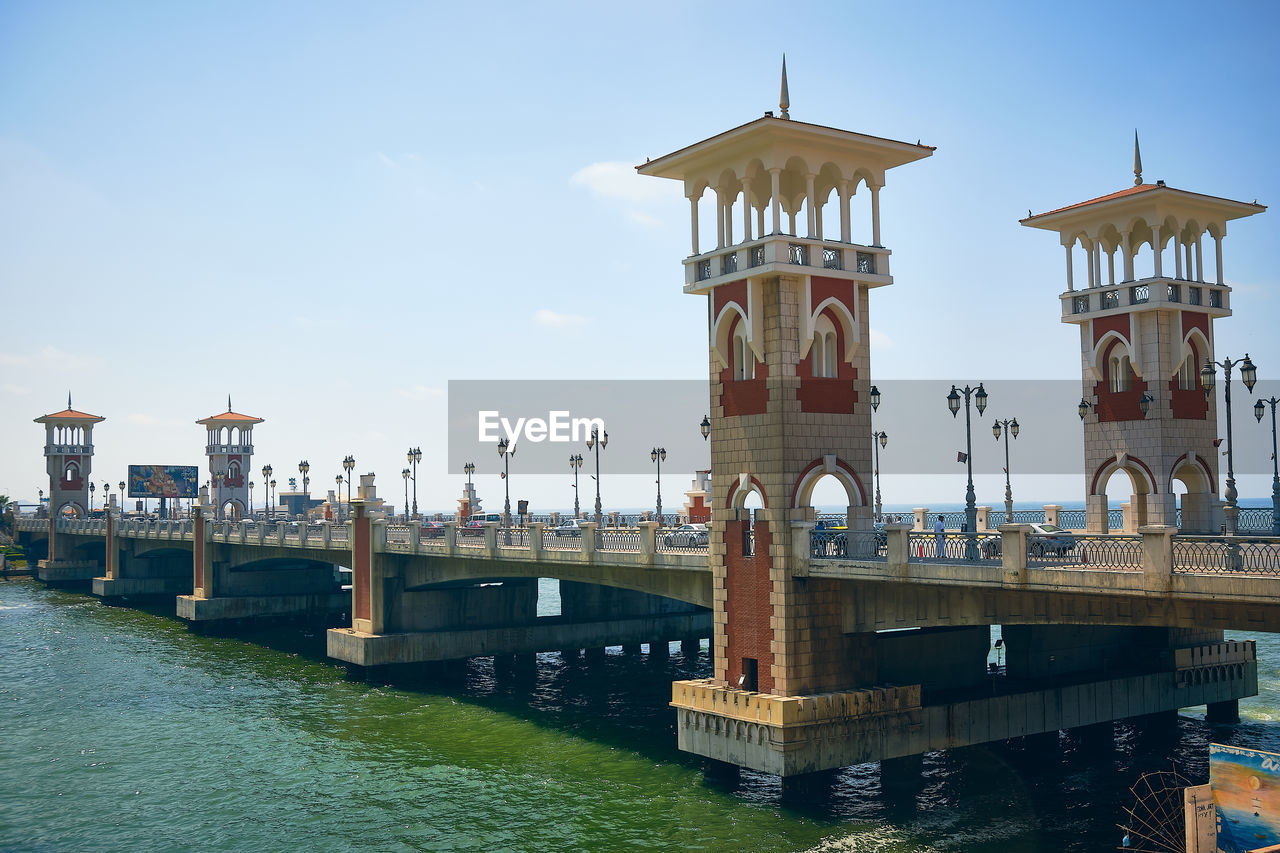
pixel 120 729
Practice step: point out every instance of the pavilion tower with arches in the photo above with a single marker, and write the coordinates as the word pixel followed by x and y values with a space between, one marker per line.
pixel 1145 300
pixel 229 448
pixel 68 453
pixel 787 306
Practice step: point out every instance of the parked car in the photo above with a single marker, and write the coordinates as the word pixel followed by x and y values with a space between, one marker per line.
pixel 1043 539
pixel 569 528
pixel 472 528
pixel 686 536
pixel 432 529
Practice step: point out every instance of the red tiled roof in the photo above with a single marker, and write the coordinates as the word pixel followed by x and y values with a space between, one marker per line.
pixel 72 415
pixel 230 416
pixel 1141 188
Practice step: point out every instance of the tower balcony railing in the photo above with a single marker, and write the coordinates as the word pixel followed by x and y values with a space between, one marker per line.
pixel 210 449
pixel 1147 294
pixel 77 449
pixel 782 253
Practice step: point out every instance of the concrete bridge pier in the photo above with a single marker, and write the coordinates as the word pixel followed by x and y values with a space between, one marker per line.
pixel 140 568
pixel 1223 713
pixel 660 652
pixel 63 566
pixel 690 648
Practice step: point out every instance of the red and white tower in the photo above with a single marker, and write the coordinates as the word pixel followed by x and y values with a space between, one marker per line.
pixel 229 447
pixel 787 305
pixel 68 453
pixel 1137 288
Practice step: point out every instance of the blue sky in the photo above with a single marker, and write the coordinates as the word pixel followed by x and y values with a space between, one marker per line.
pixel 330 210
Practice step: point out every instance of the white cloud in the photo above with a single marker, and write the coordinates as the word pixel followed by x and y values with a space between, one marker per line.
pixel 880 340
pixel 643 219
pixel 17 390
pixel 618 180
pixel 420 392
pixel 556 320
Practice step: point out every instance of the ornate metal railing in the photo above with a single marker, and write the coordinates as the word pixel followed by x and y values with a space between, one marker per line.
pixel 1109 299
pixel 798 253
pixel 757 256
pixel 1115 553
pixel 513 537
pixel 1080 304
pixel 1226 554
pixel 1073 519
pixel 1174 293
pixel 1254 518
pixel 1139 293
pixel 1193 296
pixel 398 533
pixel 1115 519
pixel 831 258
pixel 866 263
pixel 552 541
pixel 679 543
pixel 704 269
pixel 338 533
pixel 848 545
pixel 1215 298
pixel 729 263
pixel 614 539
pixel 953 547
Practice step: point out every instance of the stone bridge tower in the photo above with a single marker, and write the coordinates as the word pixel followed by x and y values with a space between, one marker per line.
pixel 229 447
pixel 787 302
pixel 68 453
pixel 1138 290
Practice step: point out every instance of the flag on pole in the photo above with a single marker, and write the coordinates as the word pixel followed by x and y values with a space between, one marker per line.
pixel 961 456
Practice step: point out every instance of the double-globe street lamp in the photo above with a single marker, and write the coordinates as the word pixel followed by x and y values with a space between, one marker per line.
pixel 404 472
pixel 598 442
pixel 266 490
pixel 414 456
pixel 575 463
pixel 506 451
pixel 878 440
pixel 1248 375
pixel 337 481
pixel 348 465
pixel 92 488
pixel 304 468
pixel 1010 429
pixel 659 455
pixel 1260 409
pixel 979 397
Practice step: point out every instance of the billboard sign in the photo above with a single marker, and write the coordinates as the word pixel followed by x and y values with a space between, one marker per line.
pixel 164 481
pixel 1246 792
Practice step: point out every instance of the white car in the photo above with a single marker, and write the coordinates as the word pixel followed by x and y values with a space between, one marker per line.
pixel 686 536
pixel 569 528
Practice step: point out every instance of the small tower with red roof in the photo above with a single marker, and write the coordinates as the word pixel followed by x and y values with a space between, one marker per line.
pixel 229 447
pixel 68 453
pixel 1145 299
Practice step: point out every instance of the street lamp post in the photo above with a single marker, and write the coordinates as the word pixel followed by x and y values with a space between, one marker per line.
pixel 598 442
pixel 659 455
pixel 338 482
pixel 414 456
pixel 882 440
pixel 705 427
pixel 1259 409
pixel 1010 428
pixel 304 468
pixel 92 488
pixel 348 465
pixel 979 396
pixel 273 494
pixel 405 474
pixel 506 451
pixel 1248 375
pixel 251 498
pixel 575 463
pixel 266 491
pixel 122 484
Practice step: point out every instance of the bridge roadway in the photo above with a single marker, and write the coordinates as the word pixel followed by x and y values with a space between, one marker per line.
pixel 1154 578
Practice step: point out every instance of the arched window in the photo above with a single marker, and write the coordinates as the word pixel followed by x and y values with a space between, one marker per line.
pixel 233 470
pixel 744 363
pixel 1119 371
pixel 71 473
pixel 823 355
pixel 1189 373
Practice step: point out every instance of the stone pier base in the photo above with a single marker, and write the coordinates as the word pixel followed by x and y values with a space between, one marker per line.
pixel 195 609
pixel 67 571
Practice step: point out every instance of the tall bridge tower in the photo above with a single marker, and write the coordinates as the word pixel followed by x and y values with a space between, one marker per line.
pixel 1145 308
pixel 68 453
pixel 229 447
pixel 787 304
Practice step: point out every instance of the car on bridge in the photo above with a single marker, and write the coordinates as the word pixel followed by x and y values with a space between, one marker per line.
pixel 569 528
pixel 432 529
pixel 686 536
pixel 1042 539
pixel 472 528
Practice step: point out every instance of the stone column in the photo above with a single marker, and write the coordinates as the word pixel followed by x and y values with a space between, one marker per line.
pixel 202 552
pixel 536 531
pixel 921 518
pixel 589 535
pixel 112 552
pixel 875 216
pixel 1013 551
pixel 896 546
pixel 801 534
pixel 367 606
pixel 693 204
pixel 984 519
pixel 775 200
pixel 491 538
pixel 1157 557
pixel 648 541
pixel 1095 514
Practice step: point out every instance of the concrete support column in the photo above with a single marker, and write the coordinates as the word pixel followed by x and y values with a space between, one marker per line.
pixel 111 555
pixel 1128 257
pixel 589 535
pixel 728 221
pixel 690 648
pixel 846 226
pixel 1177 257
pixel 1053 514
pixel 491 538
pixel 659 651
pixel 1013 551
pixel 1156 246
pixel 875 216
pixel 1071 278
pixel 921 518
pixel 896 546
pixel 1217 256
pixel 1088 256
pixel 1111 267
pixel 693 219
pixel 809 203
pixel 1220 713
pixel 367 605
pixel 1095 513
pixel 746 210
pixel 451 537
pixel 1199 276
pixel 202 552
pixel 775 198
pixel 720 244
pixel 1157 557
pixel 801 534
pixel 648 540
pixel 984 519
pixel 536 531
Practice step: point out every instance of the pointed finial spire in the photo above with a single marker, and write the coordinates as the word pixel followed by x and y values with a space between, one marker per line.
pixel 1137 160
pixel 228 402
pixel 784 97
pixel 68 399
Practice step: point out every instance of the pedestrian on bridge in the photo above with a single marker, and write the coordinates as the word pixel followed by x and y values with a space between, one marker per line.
pixel 939 535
